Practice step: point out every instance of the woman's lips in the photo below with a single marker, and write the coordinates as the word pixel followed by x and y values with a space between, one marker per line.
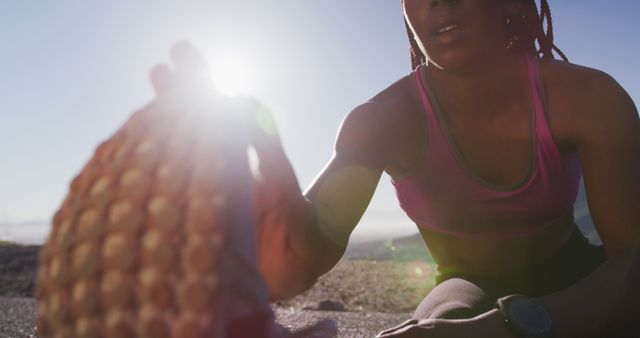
pixel 447 33
pixel 446 29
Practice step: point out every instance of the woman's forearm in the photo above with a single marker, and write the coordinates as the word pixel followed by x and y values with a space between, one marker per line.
pixel 606 300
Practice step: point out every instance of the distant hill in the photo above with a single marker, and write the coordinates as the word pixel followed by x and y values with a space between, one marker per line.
pixel 17 269
pixel 403 249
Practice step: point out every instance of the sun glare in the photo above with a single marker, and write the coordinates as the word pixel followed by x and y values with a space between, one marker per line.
pixel 231 76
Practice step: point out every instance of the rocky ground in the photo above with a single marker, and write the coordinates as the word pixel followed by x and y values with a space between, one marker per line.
pixel 363 296
pixel 17 270
pixel 17 318
pixel 370 286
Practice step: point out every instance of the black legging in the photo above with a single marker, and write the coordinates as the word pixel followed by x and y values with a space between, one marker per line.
pixel 459 296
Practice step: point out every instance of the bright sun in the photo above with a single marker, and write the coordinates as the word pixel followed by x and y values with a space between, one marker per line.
pixel 231 76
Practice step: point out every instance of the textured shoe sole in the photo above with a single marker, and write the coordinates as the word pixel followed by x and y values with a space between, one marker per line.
pixel 138 247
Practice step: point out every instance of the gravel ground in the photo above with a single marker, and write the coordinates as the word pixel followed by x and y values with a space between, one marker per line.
pixel 370 286
pixel 350 324
pixel 17 319
pixel 377 295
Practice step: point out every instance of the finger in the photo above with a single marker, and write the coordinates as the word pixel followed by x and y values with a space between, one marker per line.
pixel 190 64
pixel 161 78
pixel 185 55
pixel 398 327
pixel 422 329
pixel 411 331
pixel 404 332
pixel 273 164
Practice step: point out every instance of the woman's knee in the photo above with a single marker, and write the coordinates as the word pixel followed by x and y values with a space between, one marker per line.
pixel 454 298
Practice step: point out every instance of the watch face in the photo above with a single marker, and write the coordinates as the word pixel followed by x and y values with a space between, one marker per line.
pixel 529 317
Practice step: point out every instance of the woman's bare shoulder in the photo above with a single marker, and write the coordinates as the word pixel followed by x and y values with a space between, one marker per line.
pixel 399 92
pixel 576 80
pixel 390 101
pixel 380 124
pixel 387 109
pixel 581 98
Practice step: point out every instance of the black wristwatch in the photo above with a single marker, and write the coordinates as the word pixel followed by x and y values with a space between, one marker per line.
pixel 525 317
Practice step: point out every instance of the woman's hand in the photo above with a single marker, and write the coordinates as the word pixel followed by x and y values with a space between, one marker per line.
pixel 285 218
pixel 282 213
pixel 430 328
pixel 489 325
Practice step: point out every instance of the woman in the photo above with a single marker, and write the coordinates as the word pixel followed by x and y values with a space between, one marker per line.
pixel 485 143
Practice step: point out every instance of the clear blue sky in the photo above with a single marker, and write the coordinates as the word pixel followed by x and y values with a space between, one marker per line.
pixel 72 71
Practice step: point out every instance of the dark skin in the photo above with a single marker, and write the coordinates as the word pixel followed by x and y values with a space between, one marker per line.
pixel 304 235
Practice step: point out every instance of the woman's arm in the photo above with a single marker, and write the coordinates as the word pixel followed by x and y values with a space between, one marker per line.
pixel 606 133
pixel 303 236
pixel 607 137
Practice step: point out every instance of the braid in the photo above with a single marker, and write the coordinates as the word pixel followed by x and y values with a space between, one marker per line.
pixel 549 46
pixel 417 57
pixel 528 29
pixel 525 31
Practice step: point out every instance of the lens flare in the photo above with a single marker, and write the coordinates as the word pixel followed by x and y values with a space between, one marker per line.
pixel 231 76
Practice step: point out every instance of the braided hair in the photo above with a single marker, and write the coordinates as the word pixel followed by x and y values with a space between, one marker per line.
pixel 524 31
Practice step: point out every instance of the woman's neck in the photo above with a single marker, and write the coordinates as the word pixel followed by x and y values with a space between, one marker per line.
pixel 488 86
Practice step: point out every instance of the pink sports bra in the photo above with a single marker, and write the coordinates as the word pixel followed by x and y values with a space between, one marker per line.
pixel 443 194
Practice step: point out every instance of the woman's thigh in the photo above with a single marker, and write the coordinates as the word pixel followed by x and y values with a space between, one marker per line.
pixel 455 298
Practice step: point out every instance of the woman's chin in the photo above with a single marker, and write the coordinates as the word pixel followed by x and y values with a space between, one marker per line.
pixel 452 61
pixel 458 61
